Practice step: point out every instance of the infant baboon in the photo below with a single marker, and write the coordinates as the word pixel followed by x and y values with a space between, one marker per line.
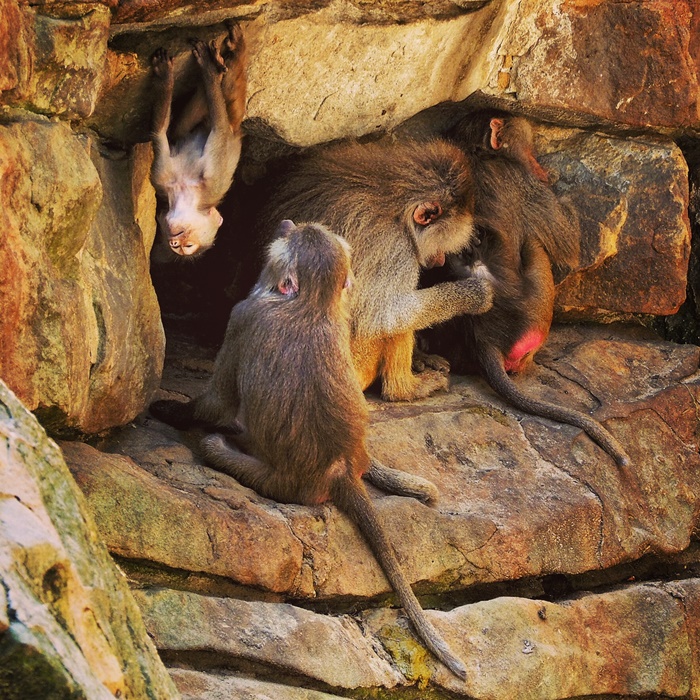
pixel 400 206
pixel 195 158
pixel 522 226
pixel 285 377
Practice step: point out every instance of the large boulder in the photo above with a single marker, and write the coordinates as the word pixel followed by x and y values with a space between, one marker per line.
pixel 628 64
pixel 52 56
pixel 69 627
pixel 80 330
pixel 635 641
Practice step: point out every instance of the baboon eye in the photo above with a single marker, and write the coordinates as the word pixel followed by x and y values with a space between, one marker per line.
pixel 427 212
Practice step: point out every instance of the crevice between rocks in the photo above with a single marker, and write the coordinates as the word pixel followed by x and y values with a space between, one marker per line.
pixel 217 663
pixel 550 587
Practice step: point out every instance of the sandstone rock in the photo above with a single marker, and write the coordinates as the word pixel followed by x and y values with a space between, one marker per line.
pixel 286 637
pixel 629 64
pixel 632 198
pixel 392 59
pixel 520 496
pixel 360 11
pixel 207 686
pixel 54 55
pixel 380 75
pixel 141 511
pixel 634 641
pixel 68 624
pixel 81 337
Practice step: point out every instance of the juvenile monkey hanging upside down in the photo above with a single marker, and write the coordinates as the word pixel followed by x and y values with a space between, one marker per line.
pixel 285 376
pixel 195 157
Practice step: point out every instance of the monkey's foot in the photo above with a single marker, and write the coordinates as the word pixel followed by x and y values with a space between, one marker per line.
pixel 162 64
pixel 421 386
pixel 216 57
pixel 202 53
pixel 422 361
pixel 232 43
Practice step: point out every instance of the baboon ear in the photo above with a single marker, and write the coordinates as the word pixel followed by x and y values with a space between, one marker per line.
pixel 285 228
pixel 288 286
pixel 496 141
pixel 214 213
pixel 426 213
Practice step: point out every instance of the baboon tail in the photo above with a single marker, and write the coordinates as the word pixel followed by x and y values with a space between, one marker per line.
pixel 352 498
pixel 492 364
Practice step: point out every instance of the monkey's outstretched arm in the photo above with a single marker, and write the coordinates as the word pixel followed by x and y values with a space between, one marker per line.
pixel 163 88
pixel 222 148
pixel 422 308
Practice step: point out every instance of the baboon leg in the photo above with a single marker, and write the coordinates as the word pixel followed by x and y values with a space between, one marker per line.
pixel 401 483
pixel 398 381
pixel 366 356
pixel 251 472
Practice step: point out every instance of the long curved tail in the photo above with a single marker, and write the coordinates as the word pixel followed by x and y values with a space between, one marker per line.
pixel 352 497
pixel 492 364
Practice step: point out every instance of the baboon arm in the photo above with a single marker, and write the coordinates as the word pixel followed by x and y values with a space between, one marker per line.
pixel 422 308
pixel 222 149
pixel 161 120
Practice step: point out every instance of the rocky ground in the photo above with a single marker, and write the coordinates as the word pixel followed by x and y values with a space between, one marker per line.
pixel 552 572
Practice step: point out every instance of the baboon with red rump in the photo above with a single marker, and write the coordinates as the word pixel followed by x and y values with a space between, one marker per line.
pixel 196 156
pixel 523 230
pixel 284 378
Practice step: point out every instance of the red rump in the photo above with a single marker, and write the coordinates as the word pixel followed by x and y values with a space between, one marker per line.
pixel 523 349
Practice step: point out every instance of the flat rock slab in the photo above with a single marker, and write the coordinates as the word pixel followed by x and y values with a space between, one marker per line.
pixel 638 640
pixel 520 496
pixel 196 685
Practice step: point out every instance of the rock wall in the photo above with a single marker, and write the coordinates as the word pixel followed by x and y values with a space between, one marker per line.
pixel 80 329
pixel 533 515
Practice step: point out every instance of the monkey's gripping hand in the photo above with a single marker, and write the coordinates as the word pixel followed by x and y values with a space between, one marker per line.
pixel 476 292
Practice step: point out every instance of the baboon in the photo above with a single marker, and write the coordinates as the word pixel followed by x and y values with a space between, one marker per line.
pixel 195 157
pixel 522 227
pixel 400 206
pixel 285 380
pixel 512 192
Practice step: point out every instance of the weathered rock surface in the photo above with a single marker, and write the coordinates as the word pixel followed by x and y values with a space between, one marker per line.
pixel 636 640
pixel 599 61
pixel 529 507
pixel 69 627
pixel 632 200
pixel 361 11
pixel 207 686
pixel 521 496
pixel 52 56
pixel 80 331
